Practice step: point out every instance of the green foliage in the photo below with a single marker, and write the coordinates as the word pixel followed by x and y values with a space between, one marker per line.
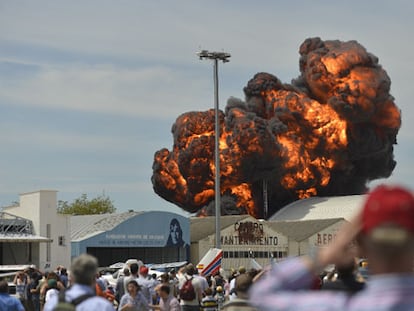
pixel 82 206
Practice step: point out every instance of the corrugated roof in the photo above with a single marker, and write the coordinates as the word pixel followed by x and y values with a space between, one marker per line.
pixel 201 227
pixel 83 226
pixel 321 208
pixel 301 229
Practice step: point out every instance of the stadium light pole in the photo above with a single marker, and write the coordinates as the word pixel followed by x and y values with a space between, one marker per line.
pixel 216 57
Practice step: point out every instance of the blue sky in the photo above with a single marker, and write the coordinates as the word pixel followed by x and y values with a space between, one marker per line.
pixel 89 90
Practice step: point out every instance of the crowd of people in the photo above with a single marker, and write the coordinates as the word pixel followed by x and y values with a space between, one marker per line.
pixel 379 240
pixel 135 289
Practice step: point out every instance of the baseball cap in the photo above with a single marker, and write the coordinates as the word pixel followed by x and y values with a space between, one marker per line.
pixel 390 208
pixel 143 270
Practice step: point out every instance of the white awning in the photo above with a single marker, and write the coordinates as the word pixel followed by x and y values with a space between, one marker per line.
pixel 21 238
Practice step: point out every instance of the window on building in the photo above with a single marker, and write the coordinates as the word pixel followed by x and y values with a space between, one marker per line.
pixel 61 240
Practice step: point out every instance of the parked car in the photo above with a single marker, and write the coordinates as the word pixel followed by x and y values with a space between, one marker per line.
pixel 157 269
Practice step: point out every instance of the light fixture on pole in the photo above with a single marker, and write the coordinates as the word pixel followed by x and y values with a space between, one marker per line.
pixel 224 57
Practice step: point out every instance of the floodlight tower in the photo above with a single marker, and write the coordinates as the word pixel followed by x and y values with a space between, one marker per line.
pixel 216 57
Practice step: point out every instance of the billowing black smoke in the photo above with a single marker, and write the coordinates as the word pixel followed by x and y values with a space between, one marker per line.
pixel 327 133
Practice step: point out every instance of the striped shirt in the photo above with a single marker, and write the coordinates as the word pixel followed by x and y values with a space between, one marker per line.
pixel 286 287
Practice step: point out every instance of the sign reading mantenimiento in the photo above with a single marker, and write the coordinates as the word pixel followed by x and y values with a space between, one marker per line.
pixel 249 233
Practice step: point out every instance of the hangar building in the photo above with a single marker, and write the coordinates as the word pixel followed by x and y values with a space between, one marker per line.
pixel 153 237
pixel 292 231
pixel 32 232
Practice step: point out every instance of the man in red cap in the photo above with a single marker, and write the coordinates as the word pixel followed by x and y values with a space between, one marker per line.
pixel 384 232
pixel 147 284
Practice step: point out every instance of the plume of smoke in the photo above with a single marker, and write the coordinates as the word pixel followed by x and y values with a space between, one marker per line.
pixel 329 132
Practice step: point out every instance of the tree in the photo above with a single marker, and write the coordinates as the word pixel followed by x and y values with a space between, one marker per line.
pixel 82 206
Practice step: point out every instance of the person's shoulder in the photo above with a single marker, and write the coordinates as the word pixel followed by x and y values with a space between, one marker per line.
pixel 97 303
pixel 174 300
pixel 15 301
pixel 238 304
pixel 198 280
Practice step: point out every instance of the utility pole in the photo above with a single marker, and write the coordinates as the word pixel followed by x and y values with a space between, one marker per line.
pixel 224 57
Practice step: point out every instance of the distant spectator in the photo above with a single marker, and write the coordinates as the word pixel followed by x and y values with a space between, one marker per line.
pixel 191 305
pixel 52 290
pixel 133 269
pixel 209 302
pixel 232 285
pixel 241 301
pixel 220 296
pixel 345 280
pixel 21 281
pixel 147 284
pixel 133 300
pixel 33 292
pixel 83 272
pixel 119 288
pixel 167 301
pixel 64 276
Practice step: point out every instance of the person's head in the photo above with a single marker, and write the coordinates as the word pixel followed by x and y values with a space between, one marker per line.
pixel 346 268
pixel 84 269
pixel 52 283
pixel 190 269
pixel 126 271
pixel 133 287
pixel 165 278
pixel 52 275
pixel 134 268
pixel 176 232
pixel 143 271
pixel 208 291
pixel 242 285
pixel 63 271
pixel 164 291
pixel 37 276
pixel 4 287
pixel 387 229
pixel 242 270
pixel 219 289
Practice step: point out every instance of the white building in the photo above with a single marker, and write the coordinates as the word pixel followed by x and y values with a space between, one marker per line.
pixel 242 237
pixel 45 242
pixel 292 231
pixel 34 233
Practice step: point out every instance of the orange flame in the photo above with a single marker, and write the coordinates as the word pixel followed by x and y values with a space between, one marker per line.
pixel 328 133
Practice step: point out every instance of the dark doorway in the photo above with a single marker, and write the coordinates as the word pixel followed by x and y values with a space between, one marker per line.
pixel 155 255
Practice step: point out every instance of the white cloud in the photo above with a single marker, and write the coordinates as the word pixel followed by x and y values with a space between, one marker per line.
pixel 145 92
